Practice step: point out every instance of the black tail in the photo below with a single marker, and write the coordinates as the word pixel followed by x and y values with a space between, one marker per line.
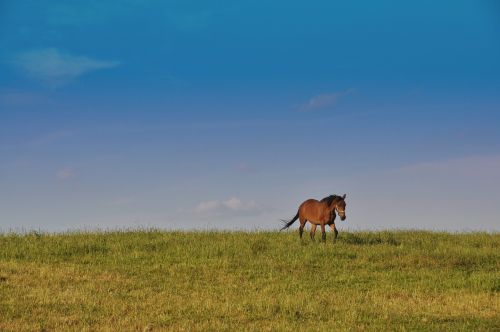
pixel 287 223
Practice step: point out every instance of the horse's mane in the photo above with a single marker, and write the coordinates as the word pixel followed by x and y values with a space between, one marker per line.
pixel 329 199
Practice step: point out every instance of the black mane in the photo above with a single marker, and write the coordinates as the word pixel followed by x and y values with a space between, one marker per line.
pixel 330 199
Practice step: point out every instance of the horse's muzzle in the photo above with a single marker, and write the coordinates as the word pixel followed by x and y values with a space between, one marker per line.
pixel 342 217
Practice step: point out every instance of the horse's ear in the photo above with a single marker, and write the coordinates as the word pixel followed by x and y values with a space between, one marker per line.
pixel 343 197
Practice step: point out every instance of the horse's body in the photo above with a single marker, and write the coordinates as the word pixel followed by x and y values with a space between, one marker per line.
pixel 320 213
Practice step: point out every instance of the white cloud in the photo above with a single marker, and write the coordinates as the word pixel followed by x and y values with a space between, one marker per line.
pixel 208 206
pixel 17 98
pixel 39 141
pixel 121 201
pixel 230 207
pixel 51 137
pixel 471 166
pixel 65 174
pixel 93 12
pixel 324 100
pixel 245 167
pixel 55 68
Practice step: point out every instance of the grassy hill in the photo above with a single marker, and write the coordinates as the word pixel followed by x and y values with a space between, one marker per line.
pixel 155 280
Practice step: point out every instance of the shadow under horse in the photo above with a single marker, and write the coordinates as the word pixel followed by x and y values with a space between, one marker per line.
pixel 320 213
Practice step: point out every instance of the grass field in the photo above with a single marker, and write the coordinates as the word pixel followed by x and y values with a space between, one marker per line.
pixel 155 280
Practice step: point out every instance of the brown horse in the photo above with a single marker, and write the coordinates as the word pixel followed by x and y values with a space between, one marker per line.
pixel 319 213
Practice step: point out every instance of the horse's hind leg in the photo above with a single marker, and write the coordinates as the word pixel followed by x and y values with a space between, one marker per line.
pixel 313 231
pixel 301 227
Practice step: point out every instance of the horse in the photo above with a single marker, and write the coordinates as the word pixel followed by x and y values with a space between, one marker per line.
pixel 319 213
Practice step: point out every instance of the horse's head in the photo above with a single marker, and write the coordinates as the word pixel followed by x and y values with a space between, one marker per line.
pixel 340 207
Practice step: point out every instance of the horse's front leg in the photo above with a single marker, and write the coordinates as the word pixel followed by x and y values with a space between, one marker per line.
pixel 323 233
pixel 334 229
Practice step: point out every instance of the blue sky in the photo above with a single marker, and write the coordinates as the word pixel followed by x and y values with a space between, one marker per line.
pixel 194 114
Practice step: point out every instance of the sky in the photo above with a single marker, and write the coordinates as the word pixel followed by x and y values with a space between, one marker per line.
pixel 228 114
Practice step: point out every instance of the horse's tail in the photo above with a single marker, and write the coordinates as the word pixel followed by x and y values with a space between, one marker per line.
pixel 287 223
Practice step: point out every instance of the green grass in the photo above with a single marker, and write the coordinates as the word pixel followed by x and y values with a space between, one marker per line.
pixel 155 280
